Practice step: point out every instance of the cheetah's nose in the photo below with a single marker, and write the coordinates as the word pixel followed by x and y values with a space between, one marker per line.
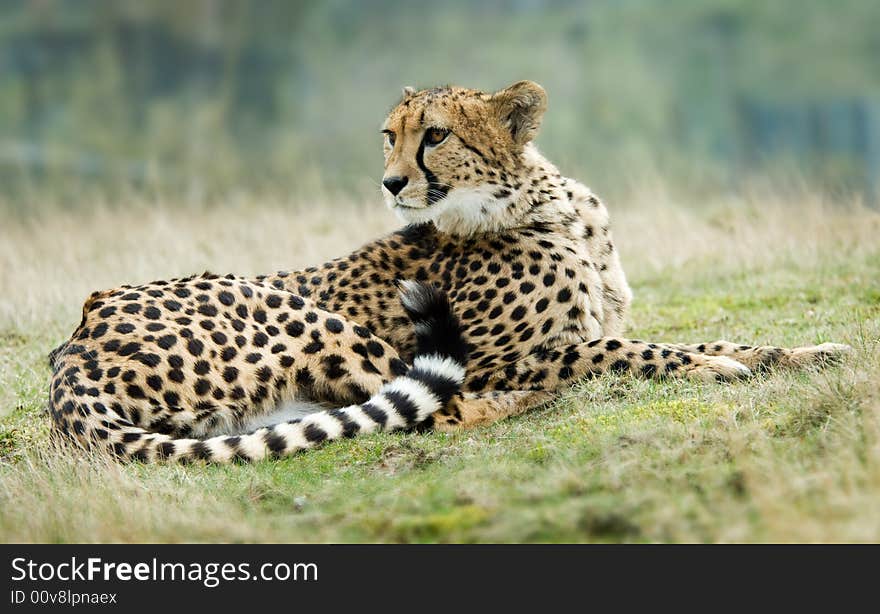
pixel 395 184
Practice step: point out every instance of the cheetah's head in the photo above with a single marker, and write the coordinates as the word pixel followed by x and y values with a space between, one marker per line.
pixel 458 157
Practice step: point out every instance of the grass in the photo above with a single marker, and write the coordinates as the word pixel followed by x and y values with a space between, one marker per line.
pixel 783 457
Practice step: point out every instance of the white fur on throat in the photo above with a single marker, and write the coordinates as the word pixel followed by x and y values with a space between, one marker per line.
pixel 464 211
pixel 469 210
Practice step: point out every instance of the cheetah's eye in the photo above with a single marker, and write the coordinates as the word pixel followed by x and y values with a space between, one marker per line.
pixel 435 136
pixel 390 136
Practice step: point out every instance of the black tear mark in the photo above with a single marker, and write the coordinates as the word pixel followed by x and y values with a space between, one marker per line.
pixel 436 191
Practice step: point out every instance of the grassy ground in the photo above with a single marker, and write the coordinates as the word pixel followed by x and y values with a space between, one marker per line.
pixel 783 457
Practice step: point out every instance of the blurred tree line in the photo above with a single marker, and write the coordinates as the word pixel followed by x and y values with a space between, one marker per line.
pixel 212 95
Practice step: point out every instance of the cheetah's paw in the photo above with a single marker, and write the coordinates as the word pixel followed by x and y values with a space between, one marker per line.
pixel 717 369
pixel 822 354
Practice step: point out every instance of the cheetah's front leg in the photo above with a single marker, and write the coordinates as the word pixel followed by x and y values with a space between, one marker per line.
pixel 551 369
pixel 767 356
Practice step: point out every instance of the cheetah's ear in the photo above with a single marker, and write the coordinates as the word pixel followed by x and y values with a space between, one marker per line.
pixel 520 108
pixel 408 91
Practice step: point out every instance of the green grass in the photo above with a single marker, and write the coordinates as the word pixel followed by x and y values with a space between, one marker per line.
pixel 788 456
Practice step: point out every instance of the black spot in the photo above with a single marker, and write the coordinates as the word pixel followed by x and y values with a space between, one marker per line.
pixel 154 382
pixel 176 375
pixel 313 347
pixel 253 357
pixel 123 328
pixel 333 366
pixel 202 367
pixel 207 310
pixel 612 344
pixel 171 398
pixel 195 347
pixel 202 387
pixel 99 330
pixel 334 325
pixel 295 328
pixel 150 360
pixel 130 437
pixel 135 391
pixel 619 366
pixel 218 338
pixel 226 298
pixel 570 357
pixel 375 348
pixel 152 313
pixel 228 353
pixel 129 348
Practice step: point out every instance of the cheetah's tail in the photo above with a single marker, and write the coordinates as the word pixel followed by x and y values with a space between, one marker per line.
pixel 436 376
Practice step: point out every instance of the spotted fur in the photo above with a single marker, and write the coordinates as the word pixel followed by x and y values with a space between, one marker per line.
pixel 525 256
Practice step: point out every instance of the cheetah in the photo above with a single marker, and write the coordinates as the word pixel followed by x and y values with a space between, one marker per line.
pixel 503 288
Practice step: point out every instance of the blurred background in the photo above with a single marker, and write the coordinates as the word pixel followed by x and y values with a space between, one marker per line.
pixel 204 98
